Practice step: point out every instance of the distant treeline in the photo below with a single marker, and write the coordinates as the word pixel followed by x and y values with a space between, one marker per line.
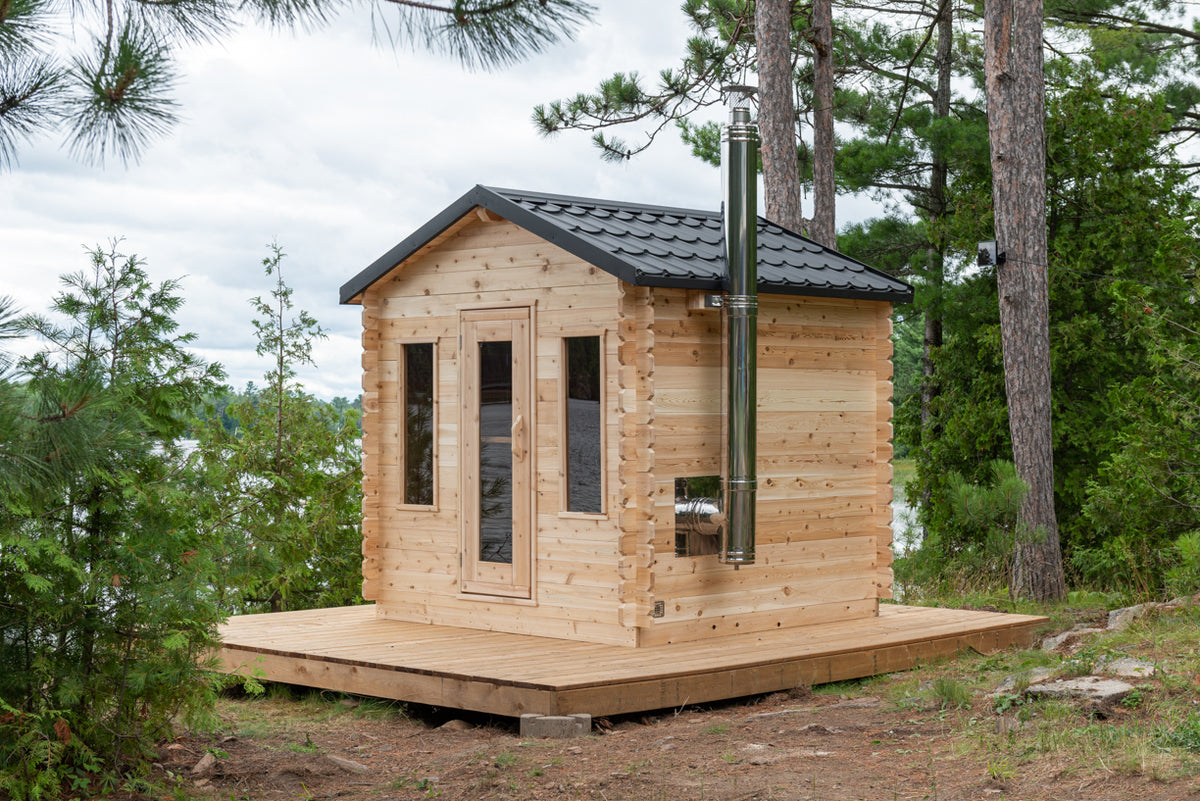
pixel 217 406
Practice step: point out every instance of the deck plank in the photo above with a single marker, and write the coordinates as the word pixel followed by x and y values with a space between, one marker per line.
pixel 352 650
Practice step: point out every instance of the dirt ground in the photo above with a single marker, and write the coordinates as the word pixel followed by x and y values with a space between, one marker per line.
pixel 782 746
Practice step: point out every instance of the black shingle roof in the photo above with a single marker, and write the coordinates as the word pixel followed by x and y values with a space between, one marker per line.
pixel 654 246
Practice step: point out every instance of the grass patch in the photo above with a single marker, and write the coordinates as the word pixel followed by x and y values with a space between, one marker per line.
pixel 285 714
pixel 1186 735
pixel 1155 734
pixel 852 688
pixel 950 693
pixel 307 747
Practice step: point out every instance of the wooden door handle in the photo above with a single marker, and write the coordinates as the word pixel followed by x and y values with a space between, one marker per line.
pixel 517 433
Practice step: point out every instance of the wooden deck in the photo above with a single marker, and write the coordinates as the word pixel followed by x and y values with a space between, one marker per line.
pixel 349 649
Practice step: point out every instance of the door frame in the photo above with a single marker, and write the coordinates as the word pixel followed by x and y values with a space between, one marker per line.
pixel 478 577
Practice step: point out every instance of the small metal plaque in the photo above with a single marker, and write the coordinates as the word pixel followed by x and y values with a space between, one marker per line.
pixel 660 609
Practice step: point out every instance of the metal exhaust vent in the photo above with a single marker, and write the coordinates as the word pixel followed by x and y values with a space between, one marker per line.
pixel 734 513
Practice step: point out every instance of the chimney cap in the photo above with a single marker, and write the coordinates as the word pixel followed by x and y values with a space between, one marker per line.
pixel 738 95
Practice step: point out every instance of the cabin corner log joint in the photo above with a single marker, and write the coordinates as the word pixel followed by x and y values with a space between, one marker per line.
pixel 541 376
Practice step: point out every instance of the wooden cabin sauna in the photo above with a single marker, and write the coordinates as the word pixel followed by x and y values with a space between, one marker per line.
pixel 543 378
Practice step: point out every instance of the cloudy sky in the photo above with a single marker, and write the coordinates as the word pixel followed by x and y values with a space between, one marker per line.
pixel 336 148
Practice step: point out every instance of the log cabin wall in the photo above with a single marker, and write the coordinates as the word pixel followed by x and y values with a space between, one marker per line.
pixel 587 580
pixel 824 524
pixel 635 471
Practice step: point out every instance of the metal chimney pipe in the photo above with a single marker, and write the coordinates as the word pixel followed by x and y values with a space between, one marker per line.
pixel 740 307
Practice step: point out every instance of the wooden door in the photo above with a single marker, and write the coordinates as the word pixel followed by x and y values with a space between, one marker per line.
pixel 497 457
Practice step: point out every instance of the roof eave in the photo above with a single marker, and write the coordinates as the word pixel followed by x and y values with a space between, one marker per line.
pixel 881 295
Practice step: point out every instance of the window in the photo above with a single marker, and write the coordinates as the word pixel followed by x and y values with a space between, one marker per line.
pixel 583 426
pixel 497 451
pixel 416 390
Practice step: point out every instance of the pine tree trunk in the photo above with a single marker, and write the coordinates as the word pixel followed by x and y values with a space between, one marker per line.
pixel 935 255
pixel 935 260
pixel 777 114
pixel 824 222
pixel 1015 85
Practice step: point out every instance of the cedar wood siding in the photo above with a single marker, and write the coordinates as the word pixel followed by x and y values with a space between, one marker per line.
pixel 410 565
pixel 823 449
pixel 824 382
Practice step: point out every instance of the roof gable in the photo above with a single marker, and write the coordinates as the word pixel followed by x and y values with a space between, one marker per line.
pixel 653 246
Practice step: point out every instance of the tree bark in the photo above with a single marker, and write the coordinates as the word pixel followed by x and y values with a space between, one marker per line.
pixel 777 114
pixel 824 221
pixel 935 255
pixel 1015 87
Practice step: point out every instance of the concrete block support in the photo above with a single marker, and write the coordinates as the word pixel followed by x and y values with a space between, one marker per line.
pixel 556 726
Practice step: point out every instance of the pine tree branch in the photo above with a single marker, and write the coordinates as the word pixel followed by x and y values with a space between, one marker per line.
pixel 488 34
pixel 1120 22
pixel 620 101
pixel 943 8
pixel 899 77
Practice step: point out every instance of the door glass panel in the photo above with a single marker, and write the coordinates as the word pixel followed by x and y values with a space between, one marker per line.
pixel 584 443
pixel 495 452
